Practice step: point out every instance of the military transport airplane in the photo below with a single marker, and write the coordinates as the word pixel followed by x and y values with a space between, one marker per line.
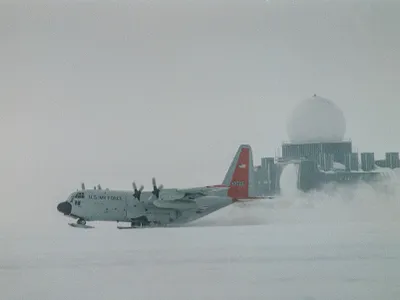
pixel 162 207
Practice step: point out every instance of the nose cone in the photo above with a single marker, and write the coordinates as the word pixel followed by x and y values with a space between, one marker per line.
pixel 65 208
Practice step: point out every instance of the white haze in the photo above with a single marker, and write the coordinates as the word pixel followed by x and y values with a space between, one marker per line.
pixel 110 92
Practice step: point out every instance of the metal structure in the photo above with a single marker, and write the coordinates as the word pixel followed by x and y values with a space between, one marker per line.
pixel 321 163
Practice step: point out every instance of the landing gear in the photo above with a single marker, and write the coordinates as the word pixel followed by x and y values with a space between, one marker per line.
pixel 136 224
pixel 81 223
pixel 140 222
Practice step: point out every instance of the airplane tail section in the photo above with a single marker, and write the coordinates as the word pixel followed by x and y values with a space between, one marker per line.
pixel 240 175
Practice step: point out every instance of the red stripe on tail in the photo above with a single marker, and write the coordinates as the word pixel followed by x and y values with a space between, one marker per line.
pixel 239 185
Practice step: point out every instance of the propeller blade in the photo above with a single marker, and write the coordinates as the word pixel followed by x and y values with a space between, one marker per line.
pixel 141 188
pixel 156 190
pixel 137 192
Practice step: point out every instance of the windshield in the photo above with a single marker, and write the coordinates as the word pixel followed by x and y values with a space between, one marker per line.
pixel 71 197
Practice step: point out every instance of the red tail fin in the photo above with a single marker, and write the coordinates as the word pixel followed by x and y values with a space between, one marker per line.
pixel 239 173
pixel 239 185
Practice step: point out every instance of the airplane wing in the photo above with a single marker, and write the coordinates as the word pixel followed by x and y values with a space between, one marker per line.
pixel 184 198
pixel 203 191
pixel 181 198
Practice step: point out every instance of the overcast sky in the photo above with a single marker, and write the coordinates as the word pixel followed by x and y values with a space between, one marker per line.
pixel 107 92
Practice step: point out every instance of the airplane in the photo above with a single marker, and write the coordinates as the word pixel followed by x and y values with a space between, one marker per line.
pixel 163 207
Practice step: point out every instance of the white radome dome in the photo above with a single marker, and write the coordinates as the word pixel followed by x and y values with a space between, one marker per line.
pixel 316 120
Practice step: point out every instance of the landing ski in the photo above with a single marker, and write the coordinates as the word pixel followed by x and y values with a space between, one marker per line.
pixel 141 227
pixel 76 225
pixel 136 227
pixel 128 227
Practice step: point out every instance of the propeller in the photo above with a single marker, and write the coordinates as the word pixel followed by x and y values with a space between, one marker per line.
pixel 137 192
pixel 156 190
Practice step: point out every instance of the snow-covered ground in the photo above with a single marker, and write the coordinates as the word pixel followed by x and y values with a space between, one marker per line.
pixel 320 246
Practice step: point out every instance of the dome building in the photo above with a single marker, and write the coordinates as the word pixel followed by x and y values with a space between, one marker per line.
pixel 318 151
pixel 316 120
pixel 317 127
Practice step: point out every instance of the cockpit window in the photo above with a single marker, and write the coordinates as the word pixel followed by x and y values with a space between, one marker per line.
pixel 77 195
pixel 80 195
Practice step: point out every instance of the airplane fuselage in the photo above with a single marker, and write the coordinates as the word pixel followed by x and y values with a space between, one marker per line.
pixel 122 206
